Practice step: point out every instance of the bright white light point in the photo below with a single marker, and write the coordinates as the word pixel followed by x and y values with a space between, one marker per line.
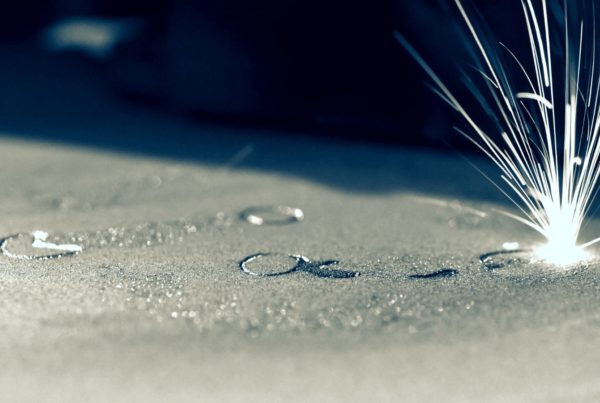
pixel 551 171
pixel 39 241
pixel 510 245
pixel 40 235
pixel 560 255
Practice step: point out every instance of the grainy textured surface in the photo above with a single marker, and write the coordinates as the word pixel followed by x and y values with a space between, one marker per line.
pixel 157 309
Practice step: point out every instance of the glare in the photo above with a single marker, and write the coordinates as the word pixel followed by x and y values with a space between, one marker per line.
pixel 561 231
pixel 562 254
pixel 549 170
pixel 510 245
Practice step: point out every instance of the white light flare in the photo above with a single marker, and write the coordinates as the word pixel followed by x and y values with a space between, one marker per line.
pixel 560 255
pixel 549 152
pixel 561 248
pixel 561 230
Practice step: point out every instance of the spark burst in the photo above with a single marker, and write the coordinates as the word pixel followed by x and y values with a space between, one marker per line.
pixel 550 148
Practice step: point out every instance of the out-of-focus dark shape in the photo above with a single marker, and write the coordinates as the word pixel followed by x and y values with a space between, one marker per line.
pixel 23 19
pixel 311 65
pixel 307 64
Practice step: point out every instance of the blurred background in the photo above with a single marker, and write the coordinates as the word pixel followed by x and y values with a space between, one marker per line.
pixel 330 68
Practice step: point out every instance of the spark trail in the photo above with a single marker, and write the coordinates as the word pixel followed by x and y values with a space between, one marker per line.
pixel 549 152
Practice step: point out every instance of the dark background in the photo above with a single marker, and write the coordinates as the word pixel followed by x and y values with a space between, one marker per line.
pixel 327 68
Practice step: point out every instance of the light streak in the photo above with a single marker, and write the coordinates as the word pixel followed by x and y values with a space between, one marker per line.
pixel 549 152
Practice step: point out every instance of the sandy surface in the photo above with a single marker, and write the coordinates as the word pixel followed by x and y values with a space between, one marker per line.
pixel 156 308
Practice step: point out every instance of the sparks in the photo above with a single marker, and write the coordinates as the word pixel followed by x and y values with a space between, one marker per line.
pixel 550 148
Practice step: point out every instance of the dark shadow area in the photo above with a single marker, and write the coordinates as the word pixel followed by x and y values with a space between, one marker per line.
pixel 272 86
pixel 68 104
pixel 329 68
